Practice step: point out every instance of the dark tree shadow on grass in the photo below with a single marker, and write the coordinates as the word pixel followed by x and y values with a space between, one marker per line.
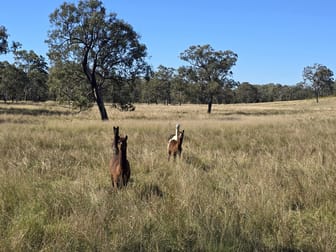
pixel 33 112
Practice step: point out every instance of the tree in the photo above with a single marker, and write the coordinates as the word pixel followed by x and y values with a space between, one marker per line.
pixel 319 77
pixel 3 40
pixel 36 69
pixel 67 84
pixel 106 47
pixel 151 91
pixel 179 89
pixel 246 93
pixel 12 82
pixel 163 79
pixel 4 47
pixel 209 68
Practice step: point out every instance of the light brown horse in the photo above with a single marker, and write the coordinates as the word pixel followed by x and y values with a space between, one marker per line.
pixel 175 144
pixel 119 165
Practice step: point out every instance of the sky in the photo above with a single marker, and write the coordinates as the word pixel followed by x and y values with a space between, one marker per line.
pixel 274 39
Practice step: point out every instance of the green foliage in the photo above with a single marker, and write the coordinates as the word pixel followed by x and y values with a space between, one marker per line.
pixel 4 45
pixel 69 86
pixel 318 77
pixel 36 88
pixel 13 82
pixel 164 76
pixel 246 93
pixel 208 65
pixel 159 88
pixel 105 46
pixel 208 68
pixel 3 40
pixel 26 79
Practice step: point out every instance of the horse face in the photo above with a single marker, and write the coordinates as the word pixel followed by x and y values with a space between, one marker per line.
pixel 123 143
pixel 181 134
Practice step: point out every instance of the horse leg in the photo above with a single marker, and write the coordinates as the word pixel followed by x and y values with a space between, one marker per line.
pixel 114 184
pixel 120 181
pixel 124 180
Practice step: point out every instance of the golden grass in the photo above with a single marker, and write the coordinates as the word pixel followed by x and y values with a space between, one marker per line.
pixel 252 177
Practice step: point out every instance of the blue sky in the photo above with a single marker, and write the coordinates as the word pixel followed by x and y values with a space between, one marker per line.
pixel 274 39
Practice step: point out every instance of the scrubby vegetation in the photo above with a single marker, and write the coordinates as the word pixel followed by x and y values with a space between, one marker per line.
pixel 258 177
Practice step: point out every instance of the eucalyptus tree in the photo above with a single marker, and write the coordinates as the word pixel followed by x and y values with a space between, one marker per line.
pixel 209 68
pixel 36 68
pixel 13 81
pixel 164 77
pixel 67 85
pixel 318 77
pixel 3 40
pixel 4 45
pixel 180 89
pixel 106 47
pixel 246 93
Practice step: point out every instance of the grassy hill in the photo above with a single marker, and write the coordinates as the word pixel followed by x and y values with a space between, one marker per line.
pixel 253 177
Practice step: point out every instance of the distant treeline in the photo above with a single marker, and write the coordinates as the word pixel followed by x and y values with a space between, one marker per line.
pixel 95 57
pixel 177 93
pixel 35 82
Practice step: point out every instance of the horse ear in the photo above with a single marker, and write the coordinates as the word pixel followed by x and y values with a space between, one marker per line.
pixel 116 130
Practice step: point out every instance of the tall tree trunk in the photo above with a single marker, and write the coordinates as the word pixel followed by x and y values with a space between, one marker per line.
pixel 210 105
pixel 317 96
pixel 100 103
pixel 95 89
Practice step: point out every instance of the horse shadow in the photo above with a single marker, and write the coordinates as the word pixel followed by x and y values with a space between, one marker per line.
pixel 196 162
pixel 150 191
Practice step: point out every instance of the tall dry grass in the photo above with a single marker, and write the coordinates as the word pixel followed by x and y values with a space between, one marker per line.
pixel 257 177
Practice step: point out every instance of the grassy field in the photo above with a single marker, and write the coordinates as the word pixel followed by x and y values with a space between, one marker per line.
pixel 257 177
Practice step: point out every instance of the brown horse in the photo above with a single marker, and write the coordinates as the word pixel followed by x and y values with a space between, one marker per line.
pixel 119 165
pixel 175 144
